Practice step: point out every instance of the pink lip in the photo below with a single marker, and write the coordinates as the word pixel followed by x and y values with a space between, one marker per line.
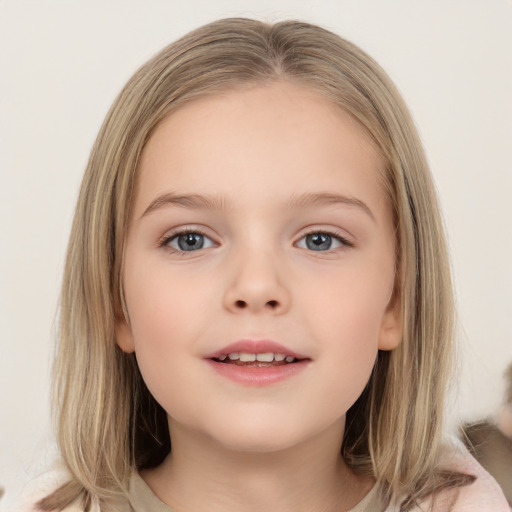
pixel 255 347
pixel 256 375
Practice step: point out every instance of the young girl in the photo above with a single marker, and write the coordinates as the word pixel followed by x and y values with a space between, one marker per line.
pixel 257 311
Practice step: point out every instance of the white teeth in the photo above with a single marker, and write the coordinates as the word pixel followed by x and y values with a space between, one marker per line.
pixel 247 358
pixel 266 358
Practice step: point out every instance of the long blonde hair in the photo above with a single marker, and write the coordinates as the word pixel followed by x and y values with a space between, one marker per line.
pixel 107 421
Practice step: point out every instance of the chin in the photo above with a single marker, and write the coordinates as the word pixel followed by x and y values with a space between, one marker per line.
pixel 254 443
pixel 260 434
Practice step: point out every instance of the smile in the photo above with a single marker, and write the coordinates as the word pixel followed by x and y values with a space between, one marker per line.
pixel 266 359
pixel 257 362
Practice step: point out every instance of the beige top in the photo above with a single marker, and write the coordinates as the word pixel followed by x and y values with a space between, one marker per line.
pixel 142 499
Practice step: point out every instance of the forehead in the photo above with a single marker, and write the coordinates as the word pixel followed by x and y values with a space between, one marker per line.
pixel 279 137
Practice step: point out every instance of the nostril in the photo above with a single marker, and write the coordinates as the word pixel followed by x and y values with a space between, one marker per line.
pixel 241 304
pixel 272 303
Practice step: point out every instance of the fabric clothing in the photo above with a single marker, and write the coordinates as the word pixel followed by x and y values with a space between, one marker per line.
pixel 483 495
pixel 144 500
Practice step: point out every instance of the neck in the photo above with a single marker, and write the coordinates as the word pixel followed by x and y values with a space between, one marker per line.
pixel 202 476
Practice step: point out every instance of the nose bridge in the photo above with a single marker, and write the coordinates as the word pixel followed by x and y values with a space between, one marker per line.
pixel 255 281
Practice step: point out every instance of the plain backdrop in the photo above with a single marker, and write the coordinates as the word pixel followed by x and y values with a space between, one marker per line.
pixel 63 62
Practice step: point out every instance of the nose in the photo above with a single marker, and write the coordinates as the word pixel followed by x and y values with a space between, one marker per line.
pixel 255 285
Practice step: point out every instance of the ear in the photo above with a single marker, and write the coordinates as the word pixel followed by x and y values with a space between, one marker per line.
pixel 124 336
pixel 392 326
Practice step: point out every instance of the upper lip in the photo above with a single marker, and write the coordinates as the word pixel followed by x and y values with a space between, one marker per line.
pixel 255 347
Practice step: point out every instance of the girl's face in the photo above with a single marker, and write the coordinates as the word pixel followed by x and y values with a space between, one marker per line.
pixel 259 226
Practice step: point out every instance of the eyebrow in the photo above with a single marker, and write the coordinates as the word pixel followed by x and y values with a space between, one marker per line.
pixel 217 202
pixel 310 200
pixel 191 201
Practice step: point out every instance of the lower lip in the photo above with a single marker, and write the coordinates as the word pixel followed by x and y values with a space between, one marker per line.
pixel 258 375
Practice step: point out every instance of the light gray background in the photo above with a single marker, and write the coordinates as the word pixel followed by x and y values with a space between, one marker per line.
pixel 63 62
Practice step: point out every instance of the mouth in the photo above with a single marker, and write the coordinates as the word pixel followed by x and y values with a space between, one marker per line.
pixel 265 359
pixel 257 363
pixel 256 353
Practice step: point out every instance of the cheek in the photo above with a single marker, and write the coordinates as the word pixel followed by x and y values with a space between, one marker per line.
pixel 351 304
pixel 166 322
pixel 346 315
pixel 164 306
pixel 353 349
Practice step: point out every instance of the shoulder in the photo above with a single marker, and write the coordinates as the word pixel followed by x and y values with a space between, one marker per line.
pixel 483 495
pixel 42 486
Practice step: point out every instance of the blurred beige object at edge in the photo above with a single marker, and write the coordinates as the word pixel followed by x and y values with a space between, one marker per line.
pixel 491 441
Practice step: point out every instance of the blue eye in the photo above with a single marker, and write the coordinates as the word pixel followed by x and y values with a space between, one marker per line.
pixel 188 241
pixel 320 241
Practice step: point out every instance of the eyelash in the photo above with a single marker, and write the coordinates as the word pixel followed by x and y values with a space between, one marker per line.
pixel 190 230
pixel 337 235
pixel 179 232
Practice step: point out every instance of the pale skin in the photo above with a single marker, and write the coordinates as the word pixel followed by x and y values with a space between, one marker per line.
pixel 278 164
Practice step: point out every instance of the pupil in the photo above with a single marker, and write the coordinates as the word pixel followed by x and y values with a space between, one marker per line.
pixel 190 241
pixel 318 241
